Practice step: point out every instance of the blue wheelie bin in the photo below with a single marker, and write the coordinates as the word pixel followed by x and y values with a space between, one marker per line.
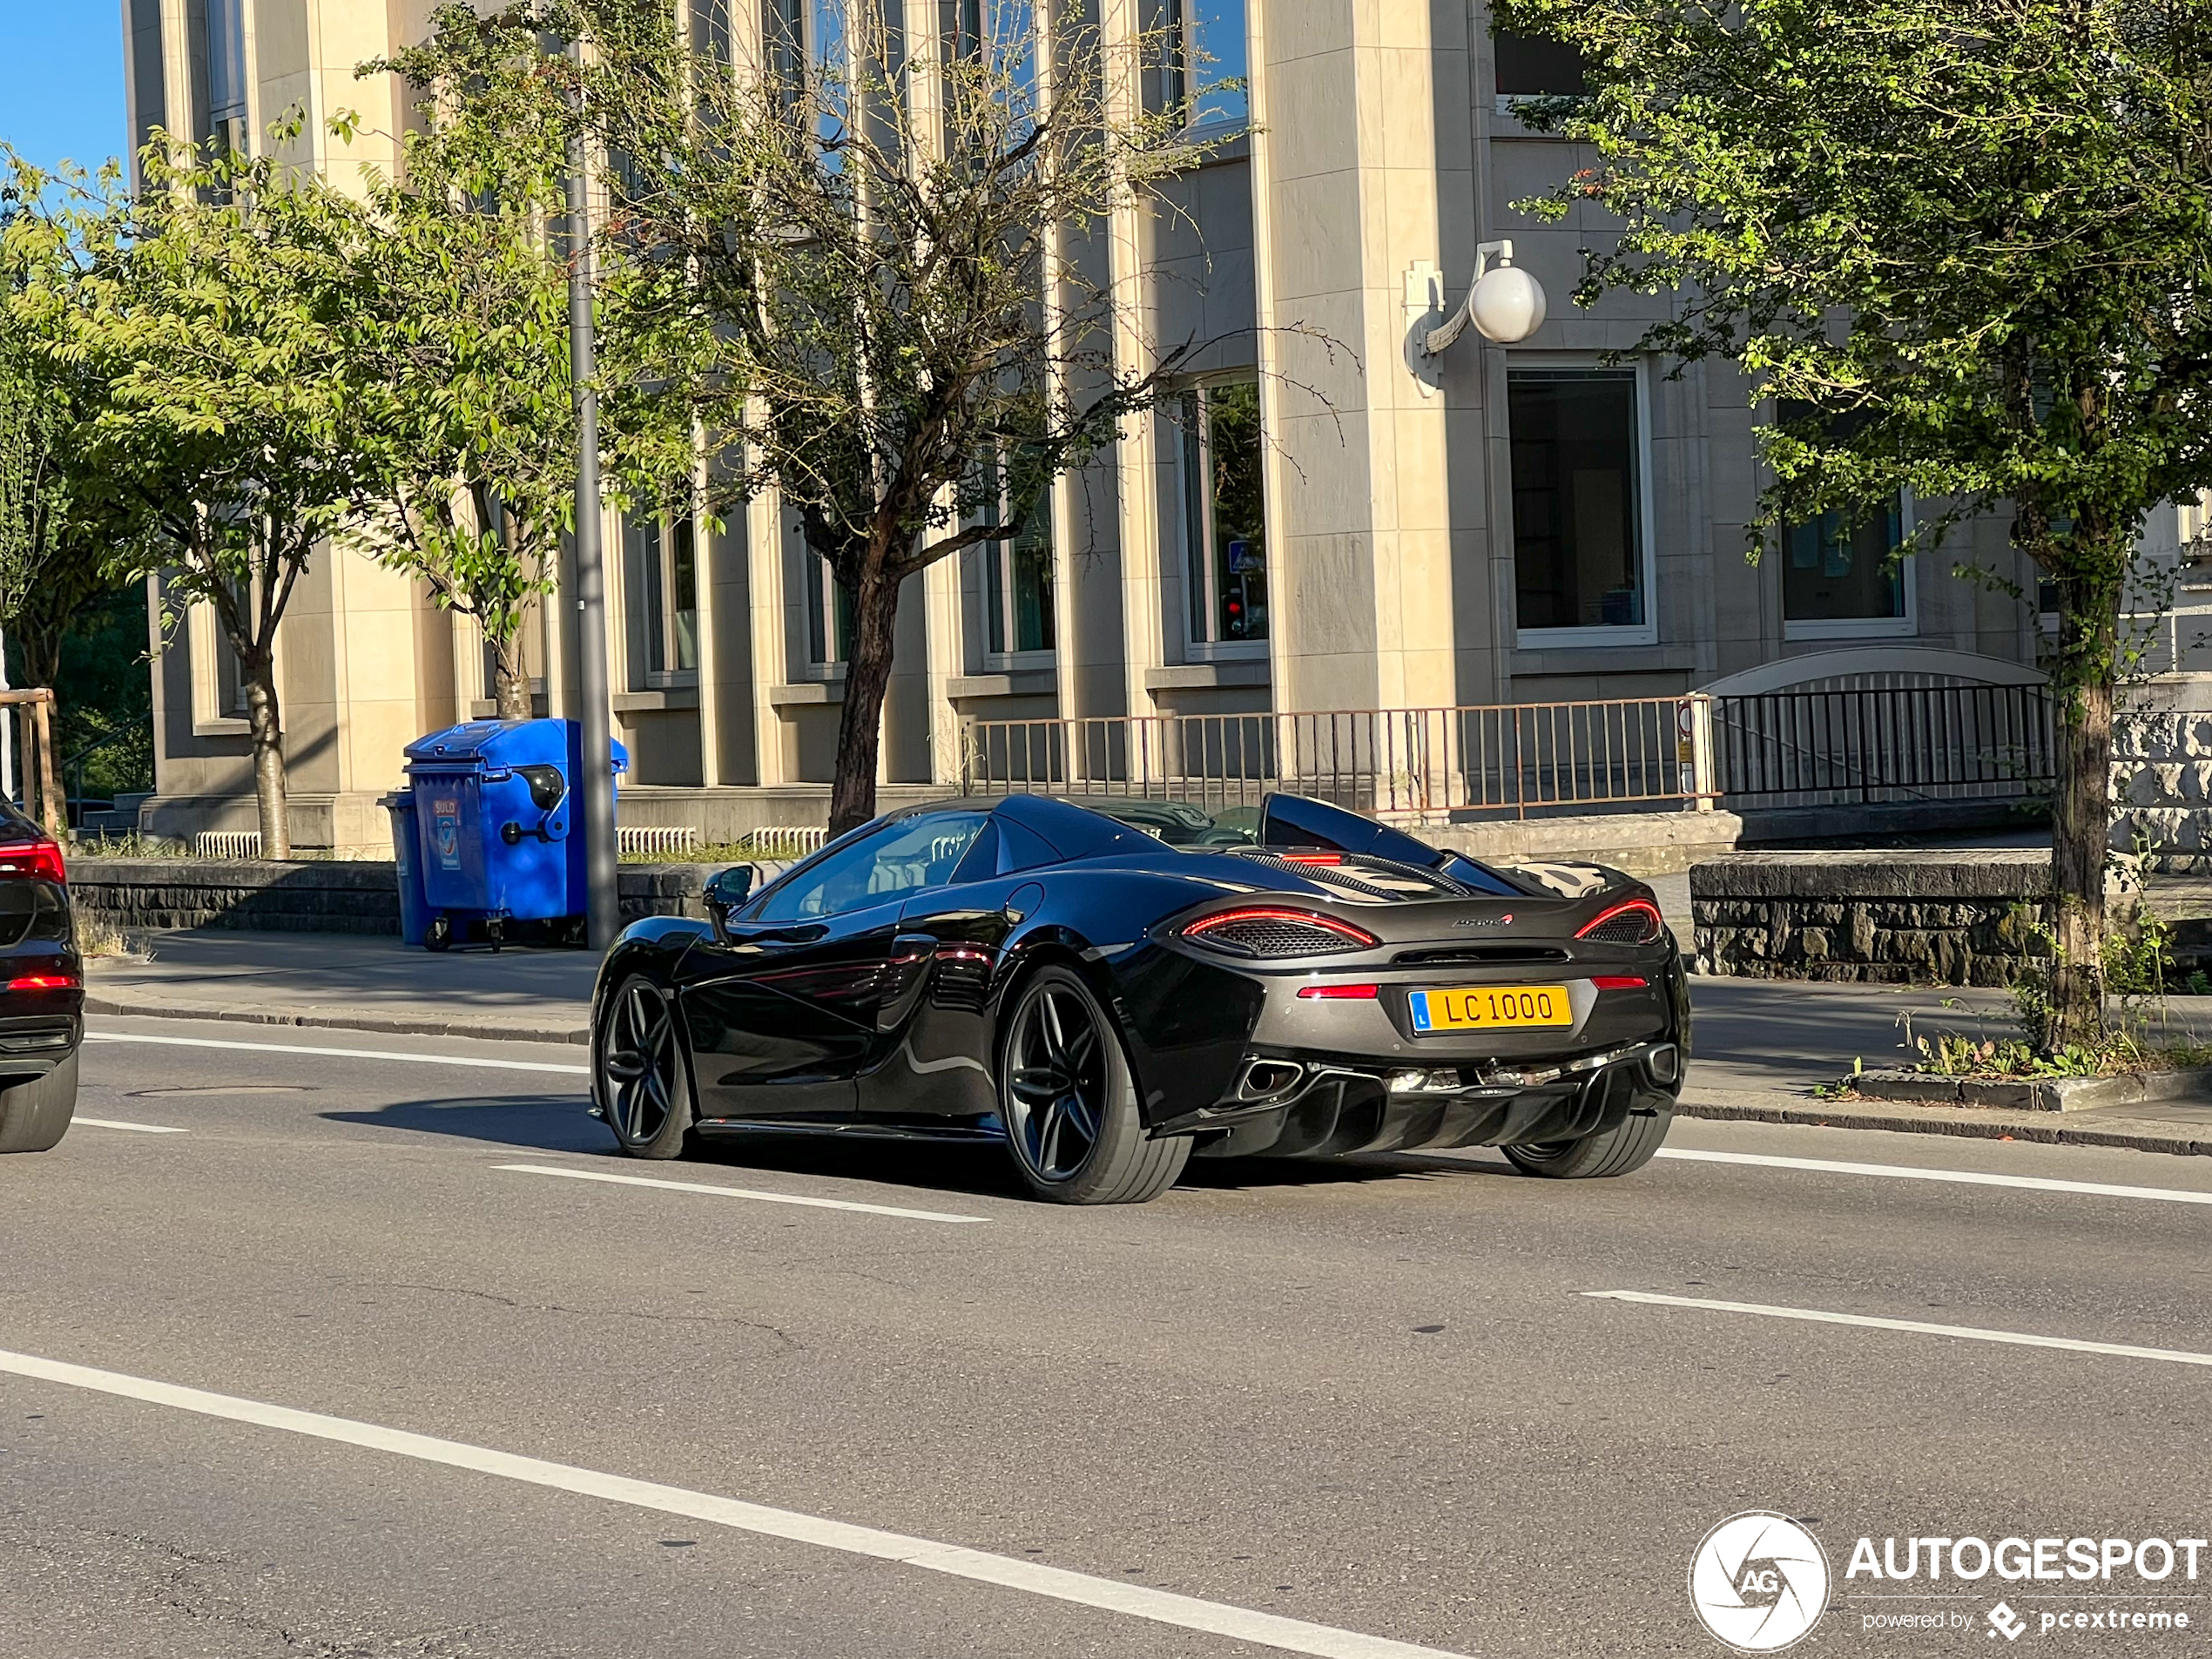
pixel 407 855
pixel 495 808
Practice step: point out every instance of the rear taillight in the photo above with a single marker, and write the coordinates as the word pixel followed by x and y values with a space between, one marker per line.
pixel 1269 930
pixel 39 859
pixel 1635 922
pixel 44 982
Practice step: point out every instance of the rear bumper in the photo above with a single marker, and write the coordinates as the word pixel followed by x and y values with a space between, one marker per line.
pixel 1330 1110
pixel 33 1044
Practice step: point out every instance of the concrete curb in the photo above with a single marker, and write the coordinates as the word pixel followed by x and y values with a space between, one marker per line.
pixel 2135 1134
pixel 2037 1094
pixel 482 1030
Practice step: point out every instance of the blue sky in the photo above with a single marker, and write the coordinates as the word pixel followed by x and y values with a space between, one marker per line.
pixel 61 79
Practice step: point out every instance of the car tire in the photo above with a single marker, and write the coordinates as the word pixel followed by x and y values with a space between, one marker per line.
pixel 1623 1150
pixel 1069 1101
pixel 35 1113
pixel 641 1072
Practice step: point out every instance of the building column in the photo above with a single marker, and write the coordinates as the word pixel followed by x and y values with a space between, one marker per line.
pixel 1362 170
pixel 764 543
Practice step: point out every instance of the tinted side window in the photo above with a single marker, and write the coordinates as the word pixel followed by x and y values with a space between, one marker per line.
pixel 1022 849
pixel 905 857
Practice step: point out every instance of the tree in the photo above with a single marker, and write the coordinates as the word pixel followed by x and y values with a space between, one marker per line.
pixel 840 267
pixel 1970 239
pixel 465 328
pixel 209 307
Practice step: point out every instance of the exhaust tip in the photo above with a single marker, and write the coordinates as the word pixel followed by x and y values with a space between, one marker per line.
pixel 1264 1078
pixel 1664 1062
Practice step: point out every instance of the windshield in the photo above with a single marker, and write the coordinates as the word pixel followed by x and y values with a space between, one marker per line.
pixel 1180 824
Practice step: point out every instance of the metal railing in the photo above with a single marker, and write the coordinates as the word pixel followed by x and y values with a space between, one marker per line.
pixel 1515 757
pixel 1858 745
pixel 646 838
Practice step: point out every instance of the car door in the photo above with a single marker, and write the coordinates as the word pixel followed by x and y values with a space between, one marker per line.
pixel 782 1009
pixel 936 1058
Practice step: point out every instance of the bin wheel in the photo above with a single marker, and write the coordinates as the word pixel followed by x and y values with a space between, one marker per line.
pixel 439 934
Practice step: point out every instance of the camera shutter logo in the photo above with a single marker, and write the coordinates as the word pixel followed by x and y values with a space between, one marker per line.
pixel 1759 1581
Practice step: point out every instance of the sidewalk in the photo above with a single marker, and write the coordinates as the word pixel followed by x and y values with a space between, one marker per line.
pixel 350 982
pixel 1761 1047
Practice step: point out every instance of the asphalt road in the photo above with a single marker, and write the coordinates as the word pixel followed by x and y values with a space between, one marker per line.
pixel 1321 1409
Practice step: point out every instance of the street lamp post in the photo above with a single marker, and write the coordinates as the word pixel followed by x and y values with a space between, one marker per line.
pixel 603 917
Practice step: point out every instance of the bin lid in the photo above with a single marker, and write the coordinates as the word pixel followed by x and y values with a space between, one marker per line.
pixel 502 743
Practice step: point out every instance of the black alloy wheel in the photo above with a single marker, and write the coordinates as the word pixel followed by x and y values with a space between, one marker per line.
pixel 643 1083
pixel 1070 1103
pixel 1055 1082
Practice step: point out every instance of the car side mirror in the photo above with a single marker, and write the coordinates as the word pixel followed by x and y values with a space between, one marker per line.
pixel 725 893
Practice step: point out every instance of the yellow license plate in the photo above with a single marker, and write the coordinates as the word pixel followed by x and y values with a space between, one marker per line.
pixel 1487 1008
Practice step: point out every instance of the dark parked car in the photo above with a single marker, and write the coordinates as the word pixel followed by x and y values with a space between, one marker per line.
pixel 42 989
pixel 1111 992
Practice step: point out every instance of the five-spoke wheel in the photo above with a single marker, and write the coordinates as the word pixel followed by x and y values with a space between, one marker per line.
pixel 641 1079
pixel 1068 1104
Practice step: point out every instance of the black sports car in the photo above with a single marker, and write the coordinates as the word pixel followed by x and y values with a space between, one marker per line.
pixel 1110 989
pixel 42 989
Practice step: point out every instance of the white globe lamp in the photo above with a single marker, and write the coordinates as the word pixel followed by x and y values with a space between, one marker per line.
pixel 1507 304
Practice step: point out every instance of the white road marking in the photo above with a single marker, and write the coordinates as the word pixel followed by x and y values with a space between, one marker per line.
pixel 738 1192
pixel 343 1053
pixel 1971 1178
pixel 114 1122
pixel 1111 1596
pixel 1817 1315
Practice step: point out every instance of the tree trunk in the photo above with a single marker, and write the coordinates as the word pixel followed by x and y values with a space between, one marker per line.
pixel 2081 813
pixel 510 678
pixel 867 677
pixel 268 758
pixel 42 653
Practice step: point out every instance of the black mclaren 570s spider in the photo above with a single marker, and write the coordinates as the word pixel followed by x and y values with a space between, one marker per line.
pixel 1110 989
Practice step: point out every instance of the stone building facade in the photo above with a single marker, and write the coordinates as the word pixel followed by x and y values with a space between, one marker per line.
pixel 1326 521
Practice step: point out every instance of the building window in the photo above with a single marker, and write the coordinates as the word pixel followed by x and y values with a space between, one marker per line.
pixel 829 613
pixel 802 37
pixel 710 31
pixel 662 583
pixel 1841 579
pixel 1530 66
pixel 1200 60
pixel 1224 522
pixel 1017 579
pixel 1582 560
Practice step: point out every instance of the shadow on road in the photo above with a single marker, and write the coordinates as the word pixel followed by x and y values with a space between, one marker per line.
pixel 537 1125
pixel 531 1121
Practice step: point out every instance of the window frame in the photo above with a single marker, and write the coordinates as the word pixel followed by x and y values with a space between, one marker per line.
pixel 1174 73
pixel 1600 636
pixel 639 628
pixel 1198 577
pixel 998 592
pixel 1904 627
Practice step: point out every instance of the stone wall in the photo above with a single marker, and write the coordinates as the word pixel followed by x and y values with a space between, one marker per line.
pixel 1643 844
pixel 2161 790
pixel 1948 918
pixel 345 896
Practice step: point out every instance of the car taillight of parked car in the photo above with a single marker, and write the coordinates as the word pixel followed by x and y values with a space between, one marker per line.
pixel 1636 923
pixel 36 859
pixel 1269 930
